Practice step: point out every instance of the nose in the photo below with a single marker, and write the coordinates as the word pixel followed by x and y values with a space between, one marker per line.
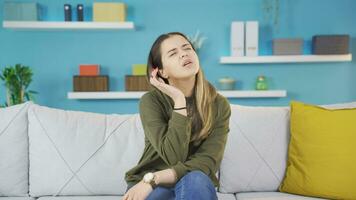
pixel 183 54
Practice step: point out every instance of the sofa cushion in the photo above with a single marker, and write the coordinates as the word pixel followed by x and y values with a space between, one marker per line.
pixel 256 150
pixel 220 197
pixel 81 198
pixel 81 153
pixel 255 154
pixel 14 150
pixel 321 155
pixel 271 196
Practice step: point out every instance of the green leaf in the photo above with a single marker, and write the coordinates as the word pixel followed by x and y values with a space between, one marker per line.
pixel 17 79
pixel 32 92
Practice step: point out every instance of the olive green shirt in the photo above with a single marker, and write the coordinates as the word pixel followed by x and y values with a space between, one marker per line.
pixel 167 139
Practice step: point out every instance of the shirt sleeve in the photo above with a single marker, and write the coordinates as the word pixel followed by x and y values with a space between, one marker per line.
pixel 209 155
pixel 170 139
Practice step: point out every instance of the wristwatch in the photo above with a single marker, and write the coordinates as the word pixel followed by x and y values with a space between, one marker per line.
pixel 150 179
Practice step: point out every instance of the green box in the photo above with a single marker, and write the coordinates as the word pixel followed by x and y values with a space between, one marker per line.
pixel 15 11
pixel 139 69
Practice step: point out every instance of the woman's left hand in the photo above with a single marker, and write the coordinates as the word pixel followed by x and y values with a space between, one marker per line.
pixel 138 192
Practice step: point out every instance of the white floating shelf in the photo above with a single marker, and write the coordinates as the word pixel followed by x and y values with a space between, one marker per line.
pixel 137 95
pixel 104 95
pixel 60 25
pixel 286 59
pixel 253 93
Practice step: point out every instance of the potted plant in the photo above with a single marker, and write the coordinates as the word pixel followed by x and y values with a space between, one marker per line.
pixel 17 79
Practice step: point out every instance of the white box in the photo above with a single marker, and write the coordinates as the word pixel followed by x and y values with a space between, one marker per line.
pixel 237 38
pixel 252 38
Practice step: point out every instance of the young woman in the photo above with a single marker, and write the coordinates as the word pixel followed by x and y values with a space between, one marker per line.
pixel 185 122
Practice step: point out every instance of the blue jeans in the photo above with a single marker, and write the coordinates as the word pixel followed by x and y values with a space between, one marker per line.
pixel 194 185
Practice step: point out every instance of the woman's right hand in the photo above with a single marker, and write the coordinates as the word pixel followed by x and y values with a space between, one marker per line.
pixel 176 94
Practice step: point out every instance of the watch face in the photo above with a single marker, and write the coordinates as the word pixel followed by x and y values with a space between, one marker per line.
pixel 148 177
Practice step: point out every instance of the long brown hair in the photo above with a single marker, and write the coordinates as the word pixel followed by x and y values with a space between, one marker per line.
pixel 204 93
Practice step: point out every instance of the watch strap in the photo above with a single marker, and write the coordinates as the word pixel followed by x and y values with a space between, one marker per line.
pixel 153 183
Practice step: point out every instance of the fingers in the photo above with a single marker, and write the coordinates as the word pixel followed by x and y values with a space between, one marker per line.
pixel 129 197
pixel 161 80
pixel 134 197
pixel 126 196
pixel 160 84
pixel 154 72
pixel 153 75
pixel 153 80
pixel 135 193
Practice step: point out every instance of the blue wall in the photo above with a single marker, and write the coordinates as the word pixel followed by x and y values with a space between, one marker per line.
pixel 55 55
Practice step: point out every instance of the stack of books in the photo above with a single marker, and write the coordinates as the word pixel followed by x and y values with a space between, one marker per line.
pixel 90 80
pixel 244 38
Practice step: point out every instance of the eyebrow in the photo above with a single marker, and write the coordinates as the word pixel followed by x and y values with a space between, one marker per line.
pixel 184 45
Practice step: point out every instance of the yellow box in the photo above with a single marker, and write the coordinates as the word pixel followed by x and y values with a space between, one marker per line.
pixel 139 69
pixel 109 12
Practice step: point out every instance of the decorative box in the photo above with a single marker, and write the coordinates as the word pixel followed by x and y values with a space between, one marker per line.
pixel 90 83
pixel 227 83
pixel 89 70
pixel 136 83
pixel 287 46
pixel 139 69
pixel 109 12
pixel 330 44
pixel 15 11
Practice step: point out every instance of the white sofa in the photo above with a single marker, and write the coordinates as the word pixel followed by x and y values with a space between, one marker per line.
pixel 48 153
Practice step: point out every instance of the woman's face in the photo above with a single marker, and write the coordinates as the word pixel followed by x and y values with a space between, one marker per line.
pixel 179 59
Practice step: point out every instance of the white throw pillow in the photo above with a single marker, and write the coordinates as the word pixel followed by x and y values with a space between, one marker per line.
pixel 256 150
pixel 81 153
pixel 14 150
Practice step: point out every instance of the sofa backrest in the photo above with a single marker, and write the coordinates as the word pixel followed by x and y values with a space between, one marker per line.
pixel 81 153
pixel 14 150
pixel 256 151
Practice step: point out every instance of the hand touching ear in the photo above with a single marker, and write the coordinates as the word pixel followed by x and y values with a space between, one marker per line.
pixel 173 92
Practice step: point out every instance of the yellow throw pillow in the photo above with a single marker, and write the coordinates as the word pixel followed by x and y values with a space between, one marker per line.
pixel 321 152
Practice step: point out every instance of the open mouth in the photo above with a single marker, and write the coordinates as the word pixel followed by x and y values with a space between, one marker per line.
pixel 186 63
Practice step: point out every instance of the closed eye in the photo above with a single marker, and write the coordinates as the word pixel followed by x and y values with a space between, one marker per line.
pixel 174 53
